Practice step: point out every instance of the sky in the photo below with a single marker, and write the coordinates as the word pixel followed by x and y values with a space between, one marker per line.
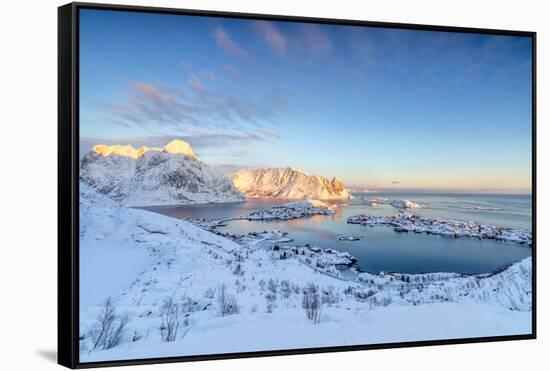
pixel 380 108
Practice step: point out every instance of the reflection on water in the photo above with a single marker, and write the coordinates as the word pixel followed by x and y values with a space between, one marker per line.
pixel 214 211
pixel 383 249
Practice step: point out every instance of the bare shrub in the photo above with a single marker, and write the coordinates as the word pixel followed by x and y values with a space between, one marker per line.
pixel 373 302
pixel 239 286
pixel 188 305
pixel 272 285
pixel 227 303
pixel 382 301
pixel 239 257
pixel 109 328
pixel 238 270
pixel 386 300
pixel 362 296
pixel 105 321
pixel 270 299
pixel 285 289
pixel 330 296
pixel 169 312
pixel 114 337
pixel 210 293
pixel 311 302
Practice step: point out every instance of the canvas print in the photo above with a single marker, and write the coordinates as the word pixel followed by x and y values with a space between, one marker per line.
pixel 260 185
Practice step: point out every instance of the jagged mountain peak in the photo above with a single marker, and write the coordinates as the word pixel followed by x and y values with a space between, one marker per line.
pixel 176 146
pixel 298 170
pixel 289 182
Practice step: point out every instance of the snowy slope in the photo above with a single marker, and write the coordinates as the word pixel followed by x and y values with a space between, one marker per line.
pixel 152 176
pixel 157 257
pixel 288 183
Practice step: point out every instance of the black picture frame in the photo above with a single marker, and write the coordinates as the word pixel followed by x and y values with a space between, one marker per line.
pixel 68 192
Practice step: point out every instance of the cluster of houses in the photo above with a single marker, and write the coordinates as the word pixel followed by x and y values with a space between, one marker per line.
pixel 322 259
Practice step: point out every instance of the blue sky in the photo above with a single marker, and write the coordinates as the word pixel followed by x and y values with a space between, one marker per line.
pixel 379 108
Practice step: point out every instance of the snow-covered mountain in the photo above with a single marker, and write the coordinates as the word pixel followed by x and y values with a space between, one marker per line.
pixel 288 183
pixel 154 176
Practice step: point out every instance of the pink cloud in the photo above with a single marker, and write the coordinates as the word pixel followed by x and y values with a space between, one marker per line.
pixel 149 90
pixel 209 75
pixel 272 36
pixel 224 41
pixel 316 39
pixel 196 84
pixel 231 71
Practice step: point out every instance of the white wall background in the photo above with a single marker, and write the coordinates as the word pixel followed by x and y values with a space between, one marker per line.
pixel 28 151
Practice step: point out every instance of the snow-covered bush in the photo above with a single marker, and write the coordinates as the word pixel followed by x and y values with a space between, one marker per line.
pixel 189 305
pixel 349 290
pixel 379 300
pixel 239 258
pixel 238 271
pixel 240 287
pixel 270 298
pixel 386 300
pixel 311 302
pixel 330 296
pixel 362 296
pixel 210 293
pixel 169 312
pixel 272 285
pixel 109 328
pixel 285 289
pixel 227 303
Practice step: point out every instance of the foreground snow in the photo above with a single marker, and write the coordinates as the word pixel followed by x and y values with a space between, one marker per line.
pixel 140 259
pixel 353 325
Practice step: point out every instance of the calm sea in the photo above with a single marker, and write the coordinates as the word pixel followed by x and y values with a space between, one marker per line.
pixel 382 249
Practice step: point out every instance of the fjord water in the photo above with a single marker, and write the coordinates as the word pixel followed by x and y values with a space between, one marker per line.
pixel 382 249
